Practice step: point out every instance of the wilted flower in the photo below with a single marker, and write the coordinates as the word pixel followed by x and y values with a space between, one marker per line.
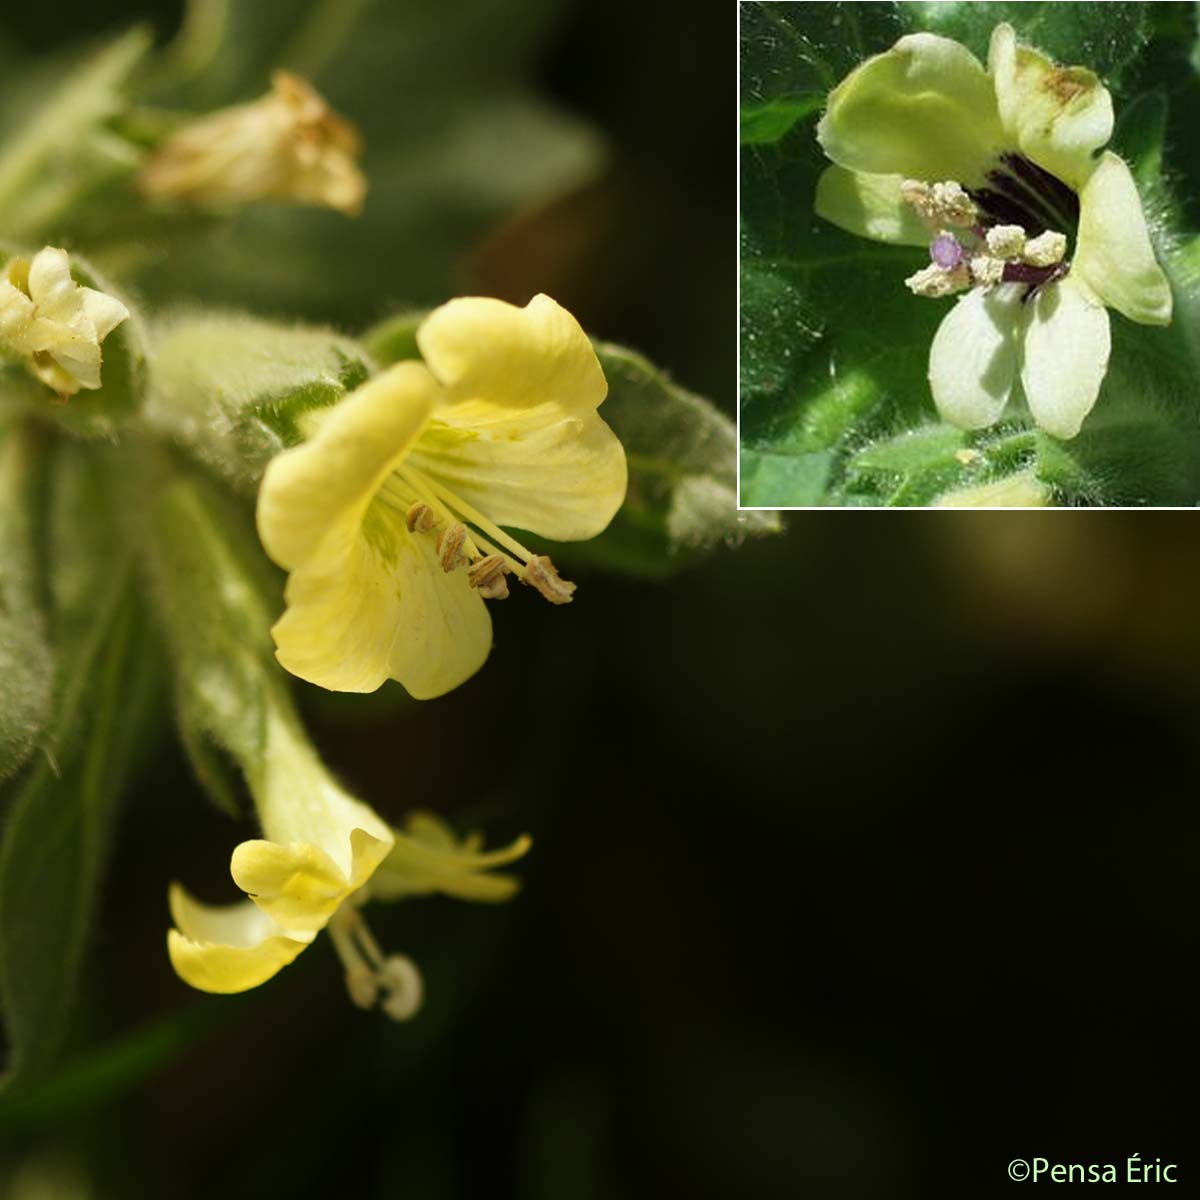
pixel 996 171
pixel 53 323
pixel 288 145
pixel 389 516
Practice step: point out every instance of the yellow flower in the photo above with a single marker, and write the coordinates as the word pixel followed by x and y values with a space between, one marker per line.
pixel 320 847
pixel 324 855
pixel 426 858
pixel 389 516
pixel 53 323
pixel 288 145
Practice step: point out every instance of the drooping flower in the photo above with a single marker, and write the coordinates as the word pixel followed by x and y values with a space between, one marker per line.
pixel 323 857
pixel 53 323
pixel 931 149
pixel 389 517
pixel 287 145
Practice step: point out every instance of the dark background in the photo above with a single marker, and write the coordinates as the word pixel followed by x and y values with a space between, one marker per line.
pixel 864 856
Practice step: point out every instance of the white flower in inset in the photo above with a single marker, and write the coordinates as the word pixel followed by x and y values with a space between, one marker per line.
pixel 931 149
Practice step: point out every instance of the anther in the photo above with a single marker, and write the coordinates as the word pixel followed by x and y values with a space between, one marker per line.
pixel 934 282
pixel 488 576
pixel 450 546
pixel 420 518
pixel 940 203
pixel 540 573
pixel 402 987
pixel 1045 250
pixel 1006 241
pixel 987 270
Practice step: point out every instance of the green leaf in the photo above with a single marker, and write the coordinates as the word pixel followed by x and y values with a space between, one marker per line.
pixel 836 407
pixel 1105 35
pixel 58 827
pixel 788 67
pixel 58 148
pixel 230 388
pixel 216 598
pixel 681 453
pixel 26 664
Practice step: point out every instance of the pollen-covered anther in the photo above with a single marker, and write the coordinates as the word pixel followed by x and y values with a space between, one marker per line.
pixel 1006 241
pixel 487 576
pixel 934 281
pixel 450 546
pixel 420 518
pixel 403 989
pixel 940 204
pixel 1046 249
pixel 540 573
pixel 986 270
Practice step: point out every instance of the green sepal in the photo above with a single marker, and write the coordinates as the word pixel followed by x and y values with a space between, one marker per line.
pixel 232 388
pixel 63 806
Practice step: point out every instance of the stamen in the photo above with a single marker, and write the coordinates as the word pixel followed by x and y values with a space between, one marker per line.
pixel 420 518
pixel 361 980
pixel 450 547
pixel 488 576
pixel 945 203
pixel 540 573
pixel 369 974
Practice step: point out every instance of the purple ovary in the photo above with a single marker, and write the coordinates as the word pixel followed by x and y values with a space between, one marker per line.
pixel 945 251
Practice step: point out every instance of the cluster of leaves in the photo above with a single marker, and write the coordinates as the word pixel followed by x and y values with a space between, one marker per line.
pixel 835 404
pixel 129 570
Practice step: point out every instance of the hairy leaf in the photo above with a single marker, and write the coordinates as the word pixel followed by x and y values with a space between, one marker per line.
pixel 58 826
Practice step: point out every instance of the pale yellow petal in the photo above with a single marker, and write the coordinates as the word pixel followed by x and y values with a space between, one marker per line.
pixel 1113 254
pixel 973 359
pixel 869 206
pixel 378 605
pixel 1020 490
pixel 228 947
pixel 557 473
pixel 321 489
pixel 1058 116
pixel 105 312
pixel 488 351
pixel 50 285
pixel 924 109
pixel 1066 348
pixel 213 967
pixel 298 886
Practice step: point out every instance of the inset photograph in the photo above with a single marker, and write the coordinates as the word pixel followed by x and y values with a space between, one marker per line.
pixel 969 272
